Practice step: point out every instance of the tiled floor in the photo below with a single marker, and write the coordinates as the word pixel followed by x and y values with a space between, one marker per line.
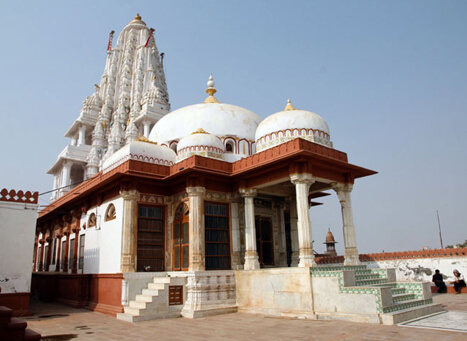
pixel 57 322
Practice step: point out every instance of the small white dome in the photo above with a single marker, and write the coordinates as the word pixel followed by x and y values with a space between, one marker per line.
pixel 200 143
pixel 219 119
pixel 289 124
pixel 139 150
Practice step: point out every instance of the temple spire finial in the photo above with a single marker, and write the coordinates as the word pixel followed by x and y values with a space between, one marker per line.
pixel 137 20
pixel 289 106
pixel 211 91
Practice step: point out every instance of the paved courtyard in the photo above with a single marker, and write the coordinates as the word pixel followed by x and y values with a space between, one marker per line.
pixel 57 322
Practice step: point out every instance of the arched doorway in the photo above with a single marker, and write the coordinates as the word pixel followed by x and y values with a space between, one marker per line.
pixel 181 238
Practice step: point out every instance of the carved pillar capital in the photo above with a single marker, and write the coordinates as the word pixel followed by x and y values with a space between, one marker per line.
pixel 248 192
pixel 196 191
pixel 342 189
pixel 131 194
pixel 302 178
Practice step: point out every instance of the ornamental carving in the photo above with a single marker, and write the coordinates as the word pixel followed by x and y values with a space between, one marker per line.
pixel 151 198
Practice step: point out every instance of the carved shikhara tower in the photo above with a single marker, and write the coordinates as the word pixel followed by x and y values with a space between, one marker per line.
pixel 131 97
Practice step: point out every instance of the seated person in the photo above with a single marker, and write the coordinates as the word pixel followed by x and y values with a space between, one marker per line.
pixel 438 280
pixel 458 282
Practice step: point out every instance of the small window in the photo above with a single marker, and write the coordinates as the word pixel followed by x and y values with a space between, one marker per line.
pixel 111 213
pixel 81 252
pixel 173 146
pixel 92 220
pixel 229 147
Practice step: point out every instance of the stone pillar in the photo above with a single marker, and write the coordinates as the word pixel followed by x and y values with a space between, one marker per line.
pixel 74 264
pixel 302 184
pixel 251 255
pixel 146 127
pixel 82 135
pixel 350 241
pixel 66 172
pixel 55 186
pixel 294 232
pixel 130 230
pixel 67 251
pixel 235 225
pixel 196 229
pixel 48 256
pixel 36 248
pixel 58 260
pixel 41 257
pixel 282 242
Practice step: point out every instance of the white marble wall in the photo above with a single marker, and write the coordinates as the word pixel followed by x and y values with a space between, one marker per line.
pixel 422 269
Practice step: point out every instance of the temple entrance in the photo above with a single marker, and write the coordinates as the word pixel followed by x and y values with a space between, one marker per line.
pixel 150 245
pixel 264 241
pixel 181 239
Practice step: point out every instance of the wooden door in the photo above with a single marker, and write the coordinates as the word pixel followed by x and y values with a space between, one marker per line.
pixel 264 241
pixel 181 239
pixel 151 237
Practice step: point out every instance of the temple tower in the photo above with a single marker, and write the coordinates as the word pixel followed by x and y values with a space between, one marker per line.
pixel 131 97
pixel 330 244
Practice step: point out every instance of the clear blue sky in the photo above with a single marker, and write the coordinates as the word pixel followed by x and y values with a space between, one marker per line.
pixel 390 78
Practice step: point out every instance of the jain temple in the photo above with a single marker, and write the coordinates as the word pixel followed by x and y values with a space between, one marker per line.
pixel 201 210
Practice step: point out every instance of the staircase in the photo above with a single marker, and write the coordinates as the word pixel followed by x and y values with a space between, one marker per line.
pixel 395 301
pixel 14 329
pixel 153 302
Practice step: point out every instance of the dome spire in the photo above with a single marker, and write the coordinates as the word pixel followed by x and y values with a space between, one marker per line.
pixel 289 106
pixel 137 20
pixel 211 91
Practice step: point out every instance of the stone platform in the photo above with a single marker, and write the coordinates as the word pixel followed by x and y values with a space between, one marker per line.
pixel 71 323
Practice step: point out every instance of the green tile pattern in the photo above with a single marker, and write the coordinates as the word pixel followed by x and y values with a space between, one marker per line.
pixel 370 281
pixel 407 305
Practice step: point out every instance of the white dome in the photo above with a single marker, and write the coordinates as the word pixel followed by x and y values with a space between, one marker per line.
pixel 289 124
pixel 144 151
pixel 201 143
pixel 219 119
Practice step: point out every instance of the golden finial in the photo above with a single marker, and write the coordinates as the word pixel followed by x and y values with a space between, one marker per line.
pixel 137 19
pixel 143 138
pixel 289 106
pixel 211 91
pixel 199 131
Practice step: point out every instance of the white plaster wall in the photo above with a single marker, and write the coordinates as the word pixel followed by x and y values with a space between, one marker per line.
pixel 17 224
pixel 103 243
pixel 422 269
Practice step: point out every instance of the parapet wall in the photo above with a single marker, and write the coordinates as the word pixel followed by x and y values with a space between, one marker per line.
pixel 413 265
pixel 19 196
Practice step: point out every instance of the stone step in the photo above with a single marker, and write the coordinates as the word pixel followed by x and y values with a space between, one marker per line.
pixel 150 292
pixel 373 281
pixel 398 291
pixel 165 280
pixel 31 335
pixel 403 297
pixel 16 323
pixel 156 286
pixel 389 284
pixel 132 311
pixel 368 276
pixel 410 313
pixel 144 298
pixel 138 304
pixel 407 304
